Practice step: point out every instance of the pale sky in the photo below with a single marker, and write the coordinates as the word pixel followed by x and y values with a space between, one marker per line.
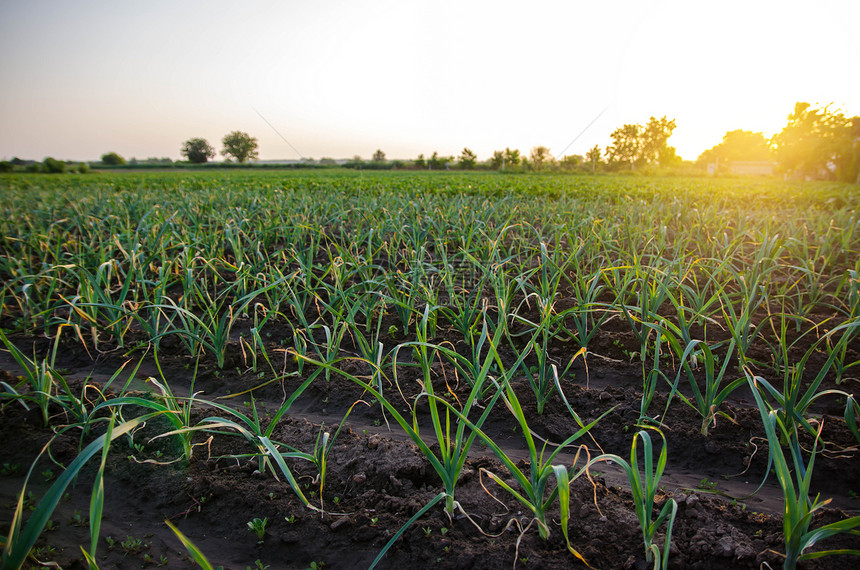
pixel 340 78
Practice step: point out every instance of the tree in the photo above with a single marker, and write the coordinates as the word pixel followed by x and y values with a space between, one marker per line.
pixel 540 156
pixel 737 145
pixel 593 156
pixel 379 156
pixel 467 159
pixel 654 146
pixel 626 145
pixel 817 143
pixel 512 157
pixel 53 166
pixel 112 159
pixel 497 160
pixel 436 162
pixel 197 150
pixel 570 162
pixel 419 162
pixel 240 146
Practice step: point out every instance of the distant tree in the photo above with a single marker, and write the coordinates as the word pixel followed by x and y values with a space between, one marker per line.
pixel 53 166
pixel 379 156
pixel 112 159
pixel 326 161
pixel 626 145
pixel 512 157
pixel 817 143
pixel 83 168
pixel 240 146
pixel 419 163
pixel 6 166
pixel 197 150
pixel 497 160
pixel 467 159
pixel 593 156
pixel 570 162
pixel 540 156
pixel 435 162
pixel 654 147
pixel 737 145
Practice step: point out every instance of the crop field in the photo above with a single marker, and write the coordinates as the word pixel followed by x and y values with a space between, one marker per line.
pixel 460 370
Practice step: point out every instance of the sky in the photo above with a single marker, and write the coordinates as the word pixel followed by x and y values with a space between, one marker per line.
pixel 338 78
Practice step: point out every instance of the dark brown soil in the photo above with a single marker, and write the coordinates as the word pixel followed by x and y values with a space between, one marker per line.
pixel 376 478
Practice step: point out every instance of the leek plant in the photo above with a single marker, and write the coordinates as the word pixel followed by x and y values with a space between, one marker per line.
pixel 586 292
pixel 453 446
pixel 644 490
pixel 795 479
pixel 19 542
pixel 798 393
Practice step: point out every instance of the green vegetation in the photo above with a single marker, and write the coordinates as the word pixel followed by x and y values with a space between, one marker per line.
pixel 478 274
pixel 197 150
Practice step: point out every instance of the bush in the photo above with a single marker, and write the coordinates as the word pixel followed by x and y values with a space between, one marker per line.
pixel 6 166
pixel 83 168
pixel 53 166
pixel 112 159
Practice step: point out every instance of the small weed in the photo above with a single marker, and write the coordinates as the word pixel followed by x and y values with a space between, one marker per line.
pixel 10 469
pixel 111 542
pixel 316 565
pixel 29 501
pixel 48 475
pixel 150 559
pixel 258 565
pixel 707 485
pixel 51 525
pixel 427 530
pixel 44 552
pixel 291 519
pixel 131 545
pixel 258 527
pixel 77 519
pixel 373 521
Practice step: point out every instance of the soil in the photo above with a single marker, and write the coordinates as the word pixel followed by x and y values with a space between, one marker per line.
pixel 376 478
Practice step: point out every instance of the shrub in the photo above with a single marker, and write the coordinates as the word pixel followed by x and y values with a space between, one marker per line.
pixel 112 159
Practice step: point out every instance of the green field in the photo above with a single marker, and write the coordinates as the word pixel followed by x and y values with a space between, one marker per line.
pixel 708 292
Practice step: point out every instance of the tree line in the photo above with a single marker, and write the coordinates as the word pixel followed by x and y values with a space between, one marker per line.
pixel 816 143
